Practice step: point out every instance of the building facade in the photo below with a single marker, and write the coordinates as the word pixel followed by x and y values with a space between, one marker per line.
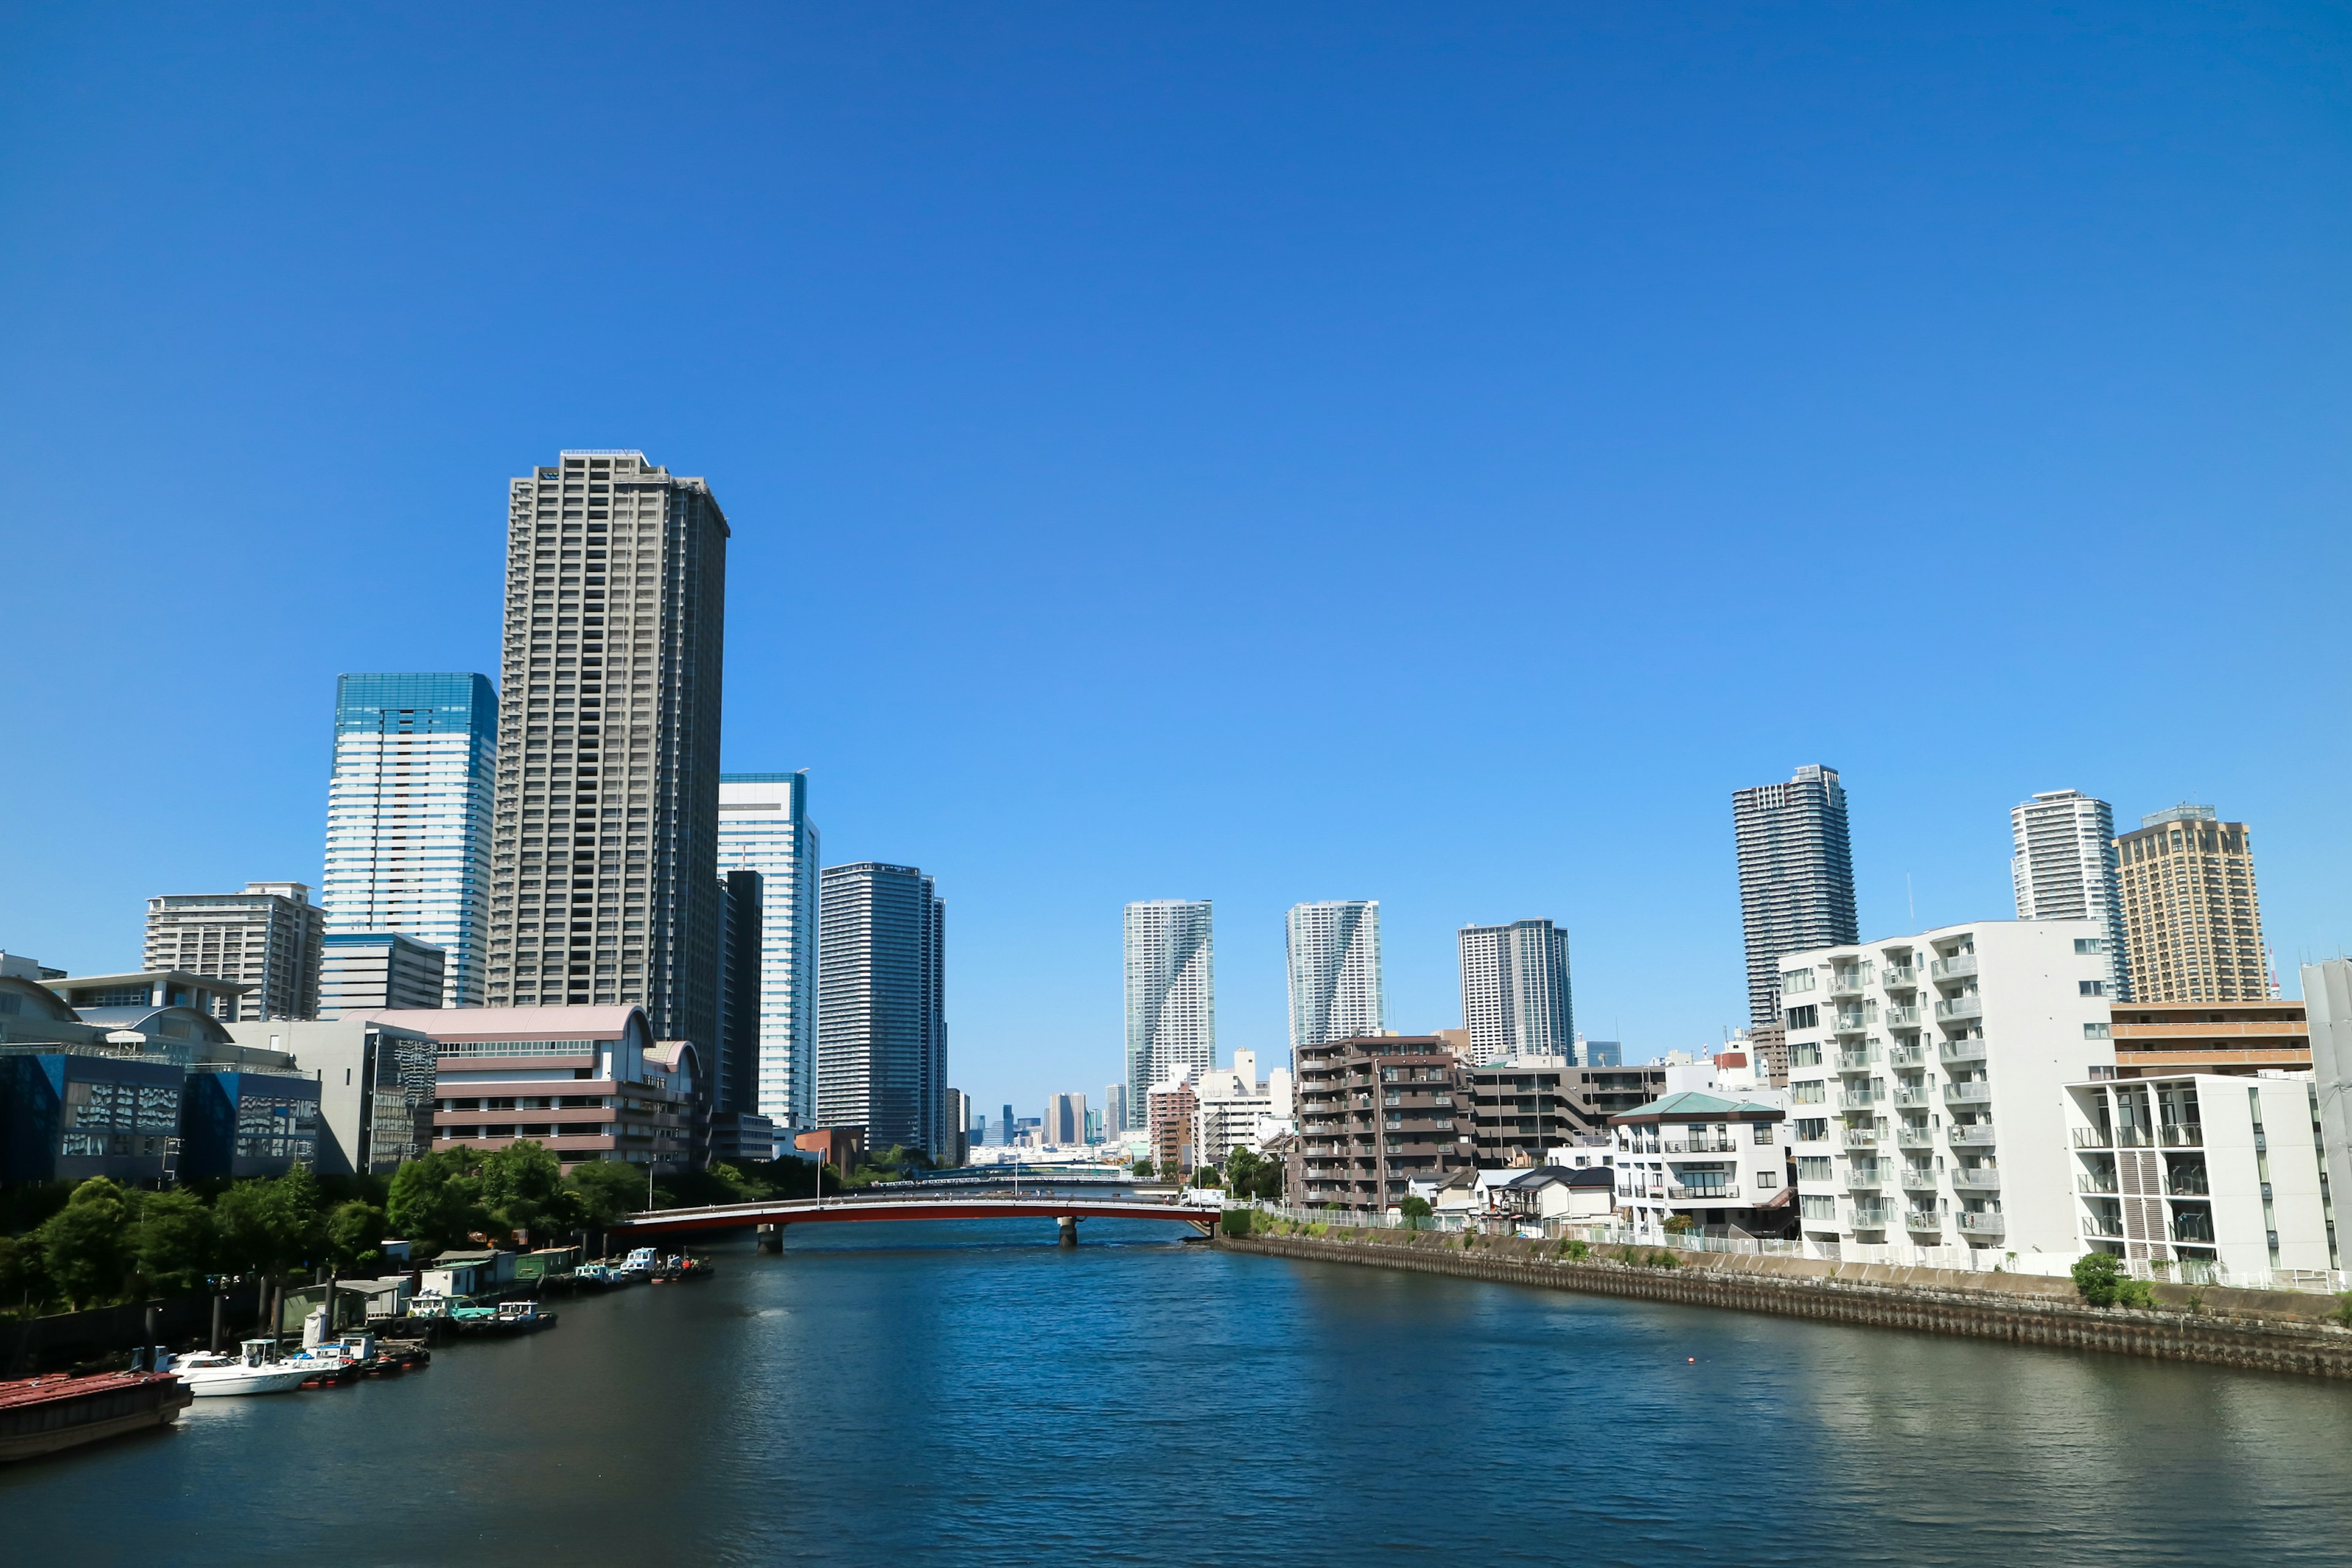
pixel 1522 1108
pixel 764 827
pixel 1720 1159
pixel 1113 1113
pixel 2190 913
pixel 364 971
pixel 1238 1109
pixel 1171 992
pixel 2165 1039
pixel 1065 1125
pixel 1375 1115
pixel 2199 1173
pixel 1796 877
pixel 375 1087
pixel 269 937
pixel 1925 1083
pixel 604 840
pixel 734 1087
pixel 1175 1112
pixel 1333 950
pixel 881 1044
pixel 408 816
pixel 1516 997
pixel 2064 869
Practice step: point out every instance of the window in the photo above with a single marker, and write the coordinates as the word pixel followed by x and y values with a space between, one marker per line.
pixel 2097 1031
pixel 1805 1017
pixel 1815 1130
pixel 2091 987
pixel 1763 1130
pixel 2090 945
pixel 1813 1168
pixel 1768 1182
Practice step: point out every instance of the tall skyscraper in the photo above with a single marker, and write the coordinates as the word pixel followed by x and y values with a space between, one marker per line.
pixel 1065 1125
pixel 740 921
pixel 2064 869
pixel 408 816
pixel 1335 973
pixel 1171 993
pixel 368 970
pixel 1796 877
pixel 1516 999
pixel 881 1030
pixel 763 826
pixel 268 936
pixel 1113 1113
pixel 2193 925
pixel 605 846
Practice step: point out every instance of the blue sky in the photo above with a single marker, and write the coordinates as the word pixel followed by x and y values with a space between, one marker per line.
pixel 1254 453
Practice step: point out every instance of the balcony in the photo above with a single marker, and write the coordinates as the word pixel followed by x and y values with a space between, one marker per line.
pixel 1907 1055
pixel 2094 1182
pixel 1971 1050
pixel 1894 976
pixel 1978 1092
pixel 2194 1227
pixel 1960 966
pixel 1906 1095
pixel 2183 1135
pixel 1872 1215
pixel 1847 982
pixel 1701 1195
pixel 1710 1145
pixel 1860 1099
pixel 1901 1017
pixel 2187 1181
pixel 1982 1223
pixel 1919 1178
pixel 1865 1178
pixel 1849 1021
pixel 1957 1007
pixel 1983 1179
pixel 1974 1135
pixel 1923 1219
pixel 1915 1138
pixel 1860 1059
pixel 1859 1138
pixel 2101 1226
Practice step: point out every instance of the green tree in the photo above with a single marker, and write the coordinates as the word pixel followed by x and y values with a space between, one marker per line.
pixel 174 1241
pixel 22 1283
pixel 1250 1174
pixel 270 1227
pixel 2098 1278
pixel 522 1188
pixel 608 1190
pixel 355 1231
pixel 1144 1167
pixel 436 1199
pixel 1415 1208
pixel 86 1245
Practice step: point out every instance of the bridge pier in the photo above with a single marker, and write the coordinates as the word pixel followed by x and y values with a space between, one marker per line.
pixel 771 1238
pixel 1069 1224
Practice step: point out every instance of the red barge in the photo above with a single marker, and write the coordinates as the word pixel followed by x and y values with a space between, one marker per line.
pixel 42 1414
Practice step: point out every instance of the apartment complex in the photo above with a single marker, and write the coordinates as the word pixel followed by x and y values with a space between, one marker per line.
pixel 1333 950
pixel 2064 869
pixel 366 971
pixel 1171 992
pixel 2197 1170
pixel 764 827
pixel 1716 1159
pixel 1237 1109
pixel 735 1034
pixel 1522 1108
pixel 1173 1112
pixel 2162 1039
pixel 2190 913
pixel 1065 1124
pixel 604 841
pixel 1516 997
pixel 1796 877
pixel 1375 1115
pixel 1925 1079
pixel 408 816
pixel 269 937
pixel 881 1045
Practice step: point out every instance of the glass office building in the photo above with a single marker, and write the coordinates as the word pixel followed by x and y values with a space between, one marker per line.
pixel 408 816
pixel 764 827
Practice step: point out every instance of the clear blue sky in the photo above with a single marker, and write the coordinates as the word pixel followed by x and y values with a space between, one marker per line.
pixel 1260 453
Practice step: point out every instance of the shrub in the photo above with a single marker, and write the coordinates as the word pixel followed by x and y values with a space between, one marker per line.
pixel 2098 1278
pixel 2343 1313
pixel 1577 1251
pixel 2136 1293
pixel 1237 1221
pixel 1660 1259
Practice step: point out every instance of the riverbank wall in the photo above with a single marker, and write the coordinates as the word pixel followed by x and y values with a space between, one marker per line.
pixel 2257 1331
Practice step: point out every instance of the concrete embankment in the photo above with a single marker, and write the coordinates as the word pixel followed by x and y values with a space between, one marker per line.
pixel 2262 1330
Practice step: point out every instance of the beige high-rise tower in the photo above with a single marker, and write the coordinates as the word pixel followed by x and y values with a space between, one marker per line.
pixel 2193 924
pixel 604 840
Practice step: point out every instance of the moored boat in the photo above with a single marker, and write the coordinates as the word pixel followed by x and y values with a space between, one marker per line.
pixel 255 1369
pixel 43 1415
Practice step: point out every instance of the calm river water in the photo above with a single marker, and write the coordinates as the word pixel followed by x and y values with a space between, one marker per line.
pixel 911 1394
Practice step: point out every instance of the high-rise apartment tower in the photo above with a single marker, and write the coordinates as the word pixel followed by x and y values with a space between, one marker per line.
pixel 267 936
pixel 1796 877
pixel 763 826
pixel 2192 922
pixel 1516 999
pixel 881 1030
pixel 604 847
pixel 1171 993
pixel 735 1083
pixel 1335 972
pixel 2064 869
pixel 408 816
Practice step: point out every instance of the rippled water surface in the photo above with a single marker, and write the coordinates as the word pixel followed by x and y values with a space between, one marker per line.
pixel 912 1394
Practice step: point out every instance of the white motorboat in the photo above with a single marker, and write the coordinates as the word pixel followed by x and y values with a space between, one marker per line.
pixel 255 1369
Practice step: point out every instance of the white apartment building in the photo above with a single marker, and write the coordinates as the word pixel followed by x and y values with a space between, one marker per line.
pixel 1515 996
pixel 1238 1109
pixel 764 827
pixel 268 936
pixel 1927 1078
pixel 2189 1172
pixel 1171 996
pixel 1333 950
pixel 1709 1156
pixel 2064 869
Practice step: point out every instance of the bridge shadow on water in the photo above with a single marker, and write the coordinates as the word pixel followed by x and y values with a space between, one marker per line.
pixel 868 1237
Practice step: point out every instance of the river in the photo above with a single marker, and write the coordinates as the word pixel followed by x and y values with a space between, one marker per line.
pixel 895 1395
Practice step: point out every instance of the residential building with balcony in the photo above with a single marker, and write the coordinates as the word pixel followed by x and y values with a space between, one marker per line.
pixel 1516 1000
pixel 1796 875
pixel 1925 1078
pixel 2188 1172
pixel 1239 1109
pixel 267 936
pixel 1172 1109
pixel 2164 1039
pixel 2064 869
pixel 590 1083
pixel 1375 1114
pixel 1720 1161
pixel 2190 910
pixel 1524 1106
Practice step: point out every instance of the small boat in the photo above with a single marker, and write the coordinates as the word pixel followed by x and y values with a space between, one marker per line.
pixel 43 1415
pixel 397 1356
pixel 255 1369
pixel 523 1318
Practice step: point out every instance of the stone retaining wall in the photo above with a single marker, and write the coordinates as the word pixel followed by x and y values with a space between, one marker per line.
pixel 2021 1308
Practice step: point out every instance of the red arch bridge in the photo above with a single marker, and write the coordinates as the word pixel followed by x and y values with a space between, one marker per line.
pixel 770 1218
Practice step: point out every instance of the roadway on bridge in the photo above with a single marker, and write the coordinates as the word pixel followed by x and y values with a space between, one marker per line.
pixel 910 1206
